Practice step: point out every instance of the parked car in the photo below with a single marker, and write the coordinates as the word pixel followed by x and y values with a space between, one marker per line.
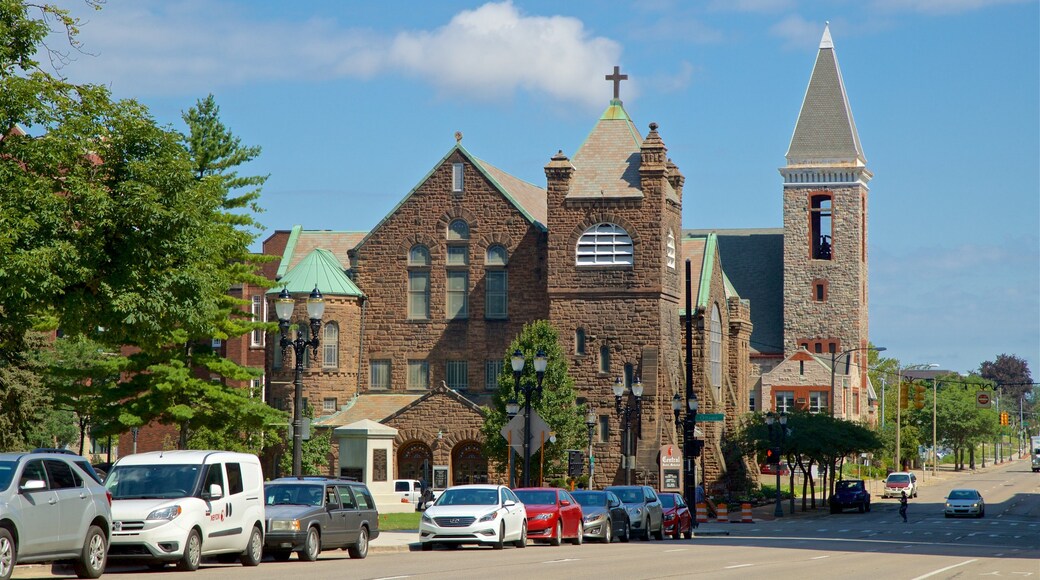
pixel 552 515
pixel 644 509
pixel 308 515
pixel 770 469
pixel 52 510
pixel 479 514
pixel 850 493
pixel 965 502
pixel 76 458
pixel 678 522
pixel 605 516
pixel 180 506
pixel 898 482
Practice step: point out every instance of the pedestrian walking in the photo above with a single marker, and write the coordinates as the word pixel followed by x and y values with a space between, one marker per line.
pixel 902 506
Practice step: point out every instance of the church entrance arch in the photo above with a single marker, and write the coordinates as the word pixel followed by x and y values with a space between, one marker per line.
pixel 415 461
pixel 468 463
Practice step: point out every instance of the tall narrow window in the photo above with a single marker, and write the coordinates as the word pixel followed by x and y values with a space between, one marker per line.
pixel 670 251
pixel 379 374
pixel 492 368
pixel 579 341
pixel 820 226
pixel 604 359
pixel 457 375
pixel 715 353
pixel 259 314
pixel 418 374
pixel 605 245
pixel 457 294
pixel 604 429
pixel 418 295
pixel 457 171
pixel 496 283
pixel 330 346
pixel 630 375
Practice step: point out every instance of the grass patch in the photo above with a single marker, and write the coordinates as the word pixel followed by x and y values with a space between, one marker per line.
pixel 402 521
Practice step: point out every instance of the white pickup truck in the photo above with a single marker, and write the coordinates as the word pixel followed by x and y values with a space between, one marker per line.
pixel 411 490
pixel 1034 453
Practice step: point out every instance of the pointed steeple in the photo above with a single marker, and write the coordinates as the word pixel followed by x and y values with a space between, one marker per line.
pixel 825 133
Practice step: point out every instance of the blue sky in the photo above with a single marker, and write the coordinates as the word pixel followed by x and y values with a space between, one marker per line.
pixel 354 102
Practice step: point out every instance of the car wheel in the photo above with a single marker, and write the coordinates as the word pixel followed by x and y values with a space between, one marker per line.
pixel 834 508
pixel 311 545
pixel 577 541
pixel 659 534
pixel 360 550
pixel 522 542
pixel 7 554
pixel 646 531
pixel 189 562
pixel 255 550
pixel 500 543
pixel 627 532
pixel 280 555
pixel 91 561
pixel 608 532
pixel 868 506
pixel 557 537
pixel 689 531
pixel 426 546
pixel 862 508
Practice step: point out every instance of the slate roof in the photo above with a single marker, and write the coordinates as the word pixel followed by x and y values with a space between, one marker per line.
pixel 373 406
pixel 318 269
pixel 753 262
pixel 825 132
pixel 302 242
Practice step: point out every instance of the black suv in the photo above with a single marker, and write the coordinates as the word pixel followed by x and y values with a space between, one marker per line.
pixel 311 514
pixel 850 493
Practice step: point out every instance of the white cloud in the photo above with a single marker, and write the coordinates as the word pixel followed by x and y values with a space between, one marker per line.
pixel 193 46
pixel 797 32
pixel 940 6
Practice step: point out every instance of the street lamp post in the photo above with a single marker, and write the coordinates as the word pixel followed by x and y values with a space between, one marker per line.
pixel 624 413
pixel 529 391
pixel 778 436
pixel 283 307
pixel 590 423
pixel 512 408
pixel 689 443
pixel 834 363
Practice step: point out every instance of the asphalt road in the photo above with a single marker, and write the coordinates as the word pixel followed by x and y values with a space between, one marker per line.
pixel 875 545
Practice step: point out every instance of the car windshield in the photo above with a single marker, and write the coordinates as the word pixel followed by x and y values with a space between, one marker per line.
pixel 902 478
pixel 590 498
pixel 152 481
pixel 963 494
pixel 7 469
pixel 630 495
pixel 293 494
pixel 468 497
pixel 531 497
pixel 667 500
pixel 850 485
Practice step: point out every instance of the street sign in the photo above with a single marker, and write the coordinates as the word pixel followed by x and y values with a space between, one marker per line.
pixel 539 432
pixel 983 400
pixel 671 468
pixel 710 417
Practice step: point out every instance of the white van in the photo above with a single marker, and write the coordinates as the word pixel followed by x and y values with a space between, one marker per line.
pixel 179 506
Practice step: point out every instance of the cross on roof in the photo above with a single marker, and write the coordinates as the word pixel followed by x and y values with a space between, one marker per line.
pixel 617 77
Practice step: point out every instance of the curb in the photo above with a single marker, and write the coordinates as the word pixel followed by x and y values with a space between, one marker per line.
pixel 393 549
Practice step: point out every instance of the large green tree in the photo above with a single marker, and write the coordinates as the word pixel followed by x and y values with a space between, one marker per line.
pixel 557 404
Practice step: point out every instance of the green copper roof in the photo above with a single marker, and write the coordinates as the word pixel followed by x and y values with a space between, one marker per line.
pixel 615 112
pixel 319 269
pixel 290 247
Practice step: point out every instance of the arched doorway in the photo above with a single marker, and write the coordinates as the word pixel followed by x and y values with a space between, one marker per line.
pixel 468 463
pixel 415 461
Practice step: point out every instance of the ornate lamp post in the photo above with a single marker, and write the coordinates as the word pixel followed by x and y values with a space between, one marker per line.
pixel 283 307
pixel 778 437
pixel 624 412
pixel 690 449
pixel 529 391
pixel 590 423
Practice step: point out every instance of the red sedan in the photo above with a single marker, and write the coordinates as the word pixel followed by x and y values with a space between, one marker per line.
pixel 553 515
pixel 677 518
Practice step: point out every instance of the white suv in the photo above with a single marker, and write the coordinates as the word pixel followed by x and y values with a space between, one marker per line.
pixel 179 506
pixel 898 482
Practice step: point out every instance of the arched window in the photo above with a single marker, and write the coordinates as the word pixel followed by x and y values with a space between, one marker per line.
pixel 604 245
pixel 419 255
pixel 496 256
pixel 579 341
pixel 820 223
pixel 458 230
pixel 330 346
pixel 670 251
pixel 715 354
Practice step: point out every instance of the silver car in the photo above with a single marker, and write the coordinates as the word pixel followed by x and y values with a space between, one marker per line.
pixel 965 502
pixel 51 510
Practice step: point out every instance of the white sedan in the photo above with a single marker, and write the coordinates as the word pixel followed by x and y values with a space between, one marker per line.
pixel 474 514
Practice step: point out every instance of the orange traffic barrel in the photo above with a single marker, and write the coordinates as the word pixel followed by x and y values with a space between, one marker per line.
pixel 745 514
pixel 702 513
pixel 721 514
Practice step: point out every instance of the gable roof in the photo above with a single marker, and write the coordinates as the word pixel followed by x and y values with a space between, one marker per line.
pixel 439 390
pixel 753 262
pixel 372 406
pixel 302 242
pixel 607 162
pixel 825 132
pixel 530 200
pixel 319 269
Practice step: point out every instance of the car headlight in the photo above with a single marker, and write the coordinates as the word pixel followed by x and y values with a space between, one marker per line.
pixel 669 516
pixel 285 525
pixel 166 513
pixel 542 517
pixel 636 511
pixel 490 517
pixel 948 504
pixel 594 517
pixel 426 518
pixel 975 505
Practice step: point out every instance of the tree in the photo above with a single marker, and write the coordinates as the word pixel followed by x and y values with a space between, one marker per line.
pixel 557 405
pixel 314 452
pixel 1011 373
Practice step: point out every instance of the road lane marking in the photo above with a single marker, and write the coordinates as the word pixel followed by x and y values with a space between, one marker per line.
pixel 820 557
pixel 392 577
pixel 738 566
pixel 561 560
pixel 676 550
pixel 941 570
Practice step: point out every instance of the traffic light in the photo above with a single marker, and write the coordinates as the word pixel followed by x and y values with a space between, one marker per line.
pixel 1004 418
pixel 773 456
pixel 919 396
pixel 904 396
